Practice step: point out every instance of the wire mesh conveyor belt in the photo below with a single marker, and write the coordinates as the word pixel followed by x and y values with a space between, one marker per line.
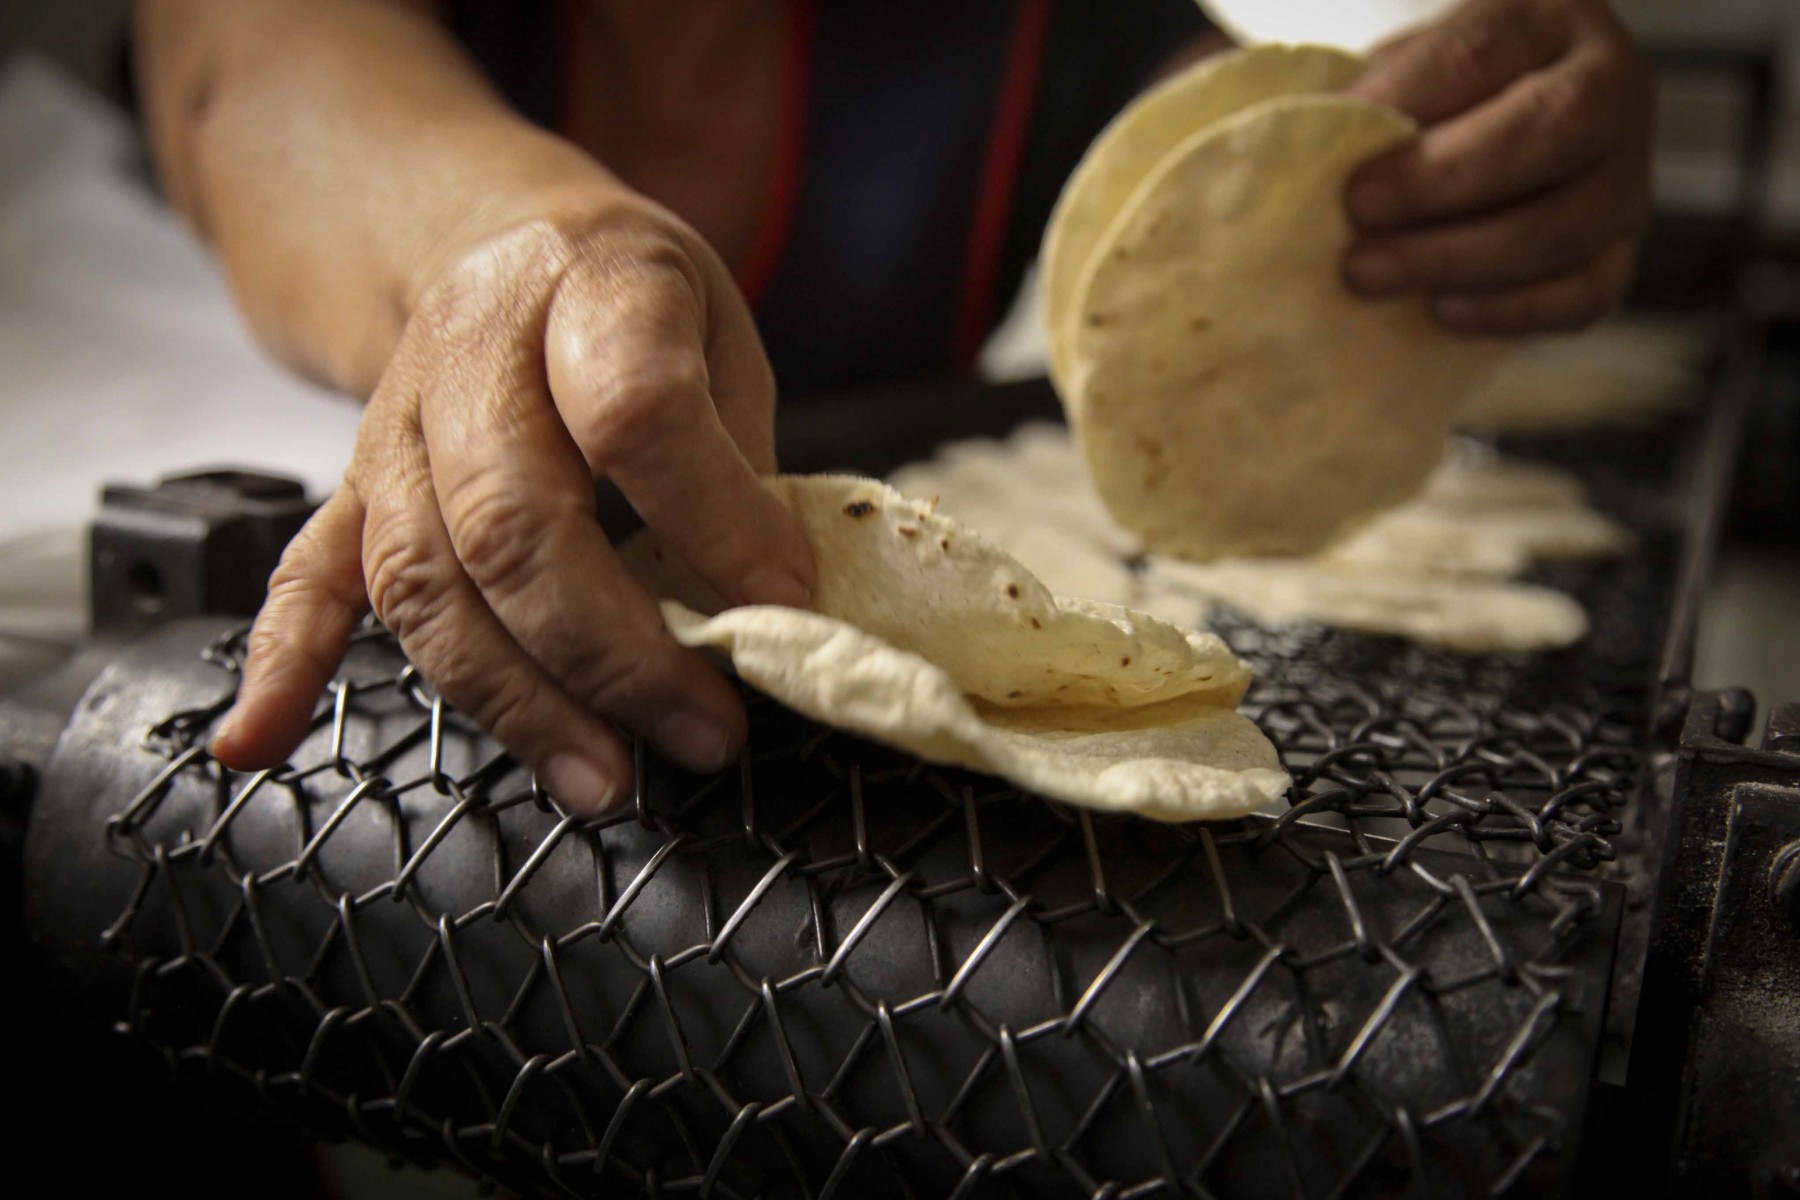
pixel 836 971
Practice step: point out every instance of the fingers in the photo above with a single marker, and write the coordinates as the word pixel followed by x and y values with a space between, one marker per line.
pixel 420 591
pixel 1473 55
pixel 1566 303
pixel 1551 235
pixel 517 504
pixel 1522 197
pixel 299 638
pixel 1550 127
pixel 629 375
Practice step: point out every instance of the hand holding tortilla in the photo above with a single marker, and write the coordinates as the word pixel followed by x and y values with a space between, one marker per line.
pixel 1520 206
pixel 1229 394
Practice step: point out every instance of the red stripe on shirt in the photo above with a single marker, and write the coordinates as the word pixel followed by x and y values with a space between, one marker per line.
pixel 999 178
pixel 764 255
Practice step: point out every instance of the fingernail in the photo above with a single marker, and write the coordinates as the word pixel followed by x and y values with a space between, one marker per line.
pixel 693 738
pixel 1456 310
pixel 1374 271
pixel 577 783
pixel 224 734
pixel 773 585
pixel 1372 202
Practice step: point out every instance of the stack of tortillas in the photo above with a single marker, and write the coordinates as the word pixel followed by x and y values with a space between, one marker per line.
pixel 1442 567
pixel 925 636
pixel 1229 394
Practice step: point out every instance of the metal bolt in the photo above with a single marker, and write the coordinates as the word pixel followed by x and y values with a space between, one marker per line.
pixel 1784 894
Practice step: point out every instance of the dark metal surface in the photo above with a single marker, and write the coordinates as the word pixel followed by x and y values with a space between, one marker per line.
pixel 1718 1033
pixel 837 971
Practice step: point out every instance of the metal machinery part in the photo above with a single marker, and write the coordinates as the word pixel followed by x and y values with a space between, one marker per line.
pixel 201 542
pixel 837 971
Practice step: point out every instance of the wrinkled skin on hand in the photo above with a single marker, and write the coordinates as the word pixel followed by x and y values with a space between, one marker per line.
pixel 608 342
pixel 1520 206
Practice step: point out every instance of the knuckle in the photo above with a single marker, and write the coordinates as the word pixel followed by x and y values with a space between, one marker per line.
pixel 495 530
pixel 269 641
pixel 641 409
pixel 643 272
pixel 406 586
pixel 1472 56
pixel 1563 106
pixel 616 679
pixel 504 705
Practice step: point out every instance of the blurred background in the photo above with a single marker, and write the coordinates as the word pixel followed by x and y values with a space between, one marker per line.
pixel 123 359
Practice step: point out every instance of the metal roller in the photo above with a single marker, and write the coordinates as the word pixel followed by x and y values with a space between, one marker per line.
pixel 833 971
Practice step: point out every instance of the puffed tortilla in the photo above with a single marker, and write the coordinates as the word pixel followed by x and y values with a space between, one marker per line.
pixel 1145 131
pixel 1230 396
pixel 925 636
pixel 1178 761
pixel 891 566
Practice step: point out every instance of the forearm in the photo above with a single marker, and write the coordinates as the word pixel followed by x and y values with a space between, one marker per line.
pixel 337 153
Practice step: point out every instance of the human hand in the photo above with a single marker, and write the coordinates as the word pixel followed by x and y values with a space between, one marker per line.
pixel 1520 206
pixel 609 342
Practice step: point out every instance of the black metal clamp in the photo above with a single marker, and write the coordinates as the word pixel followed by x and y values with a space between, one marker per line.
pixel 200 543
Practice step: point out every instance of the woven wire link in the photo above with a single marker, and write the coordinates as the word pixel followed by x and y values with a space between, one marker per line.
pixel 838 971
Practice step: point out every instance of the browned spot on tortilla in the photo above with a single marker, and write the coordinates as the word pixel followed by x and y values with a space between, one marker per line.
pixel 1199 324
pixel 1097 320
pixel 1125 661
pixel 1014 695
pixel 1035 624
pixel 945 544
pixel 858 509
pixel 907 531
pixel 1012 589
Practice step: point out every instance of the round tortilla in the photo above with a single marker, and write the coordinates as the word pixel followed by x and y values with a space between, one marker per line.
pixel 893 567
pixel 1230 395
pixel 1130 147
pixel 1180 761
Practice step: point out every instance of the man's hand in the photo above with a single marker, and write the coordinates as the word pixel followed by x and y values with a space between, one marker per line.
pixel 614 343
pixel 1520 206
